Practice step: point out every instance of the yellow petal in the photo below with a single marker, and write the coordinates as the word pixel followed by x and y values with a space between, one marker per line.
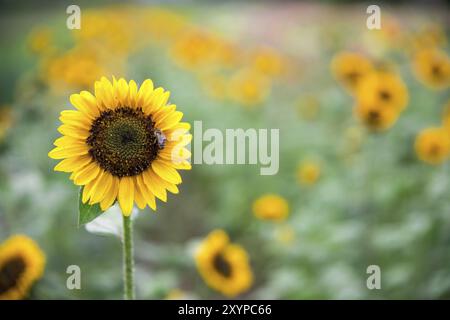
pixel 126 195
pixel 138 195
pixel 75 118
pixel 148 195
pixel 153 186
pixel 170 121
pixel 68 152
pixel 104 93
pixel 87 191
pixel 166 172
pixel 66 141
pixel 122 92
pixel 149 105
pixel 73 164
pixel 166 185
pixel 86 174
pixel 74 132
pixel 132 94
pixel 110 195
pixel 86 103
pixel 101 186
pixel 144 91
pixel 163 113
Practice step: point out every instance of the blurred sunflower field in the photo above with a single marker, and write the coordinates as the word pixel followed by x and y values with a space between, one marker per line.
pixel 364 143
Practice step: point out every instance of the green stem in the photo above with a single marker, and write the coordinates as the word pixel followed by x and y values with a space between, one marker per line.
pixel 128 259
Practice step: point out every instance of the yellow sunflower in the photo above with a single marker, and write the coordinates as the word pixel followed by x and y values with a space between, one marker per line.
pixel 224 266
pixel 22 262
pixel 349 68
pixel 249 87
pixel 308 173
pixel 268 61
pixel 433 145
pixel 432 67
pixel 271 207
pixel 374 117
pixel 383 89
pixel 123 143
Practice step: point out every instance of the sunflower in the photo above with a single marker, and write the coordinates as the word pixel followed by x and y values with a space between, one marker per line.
pixel 224 266
pixel 21 264
pixel 433 145
pixel 123 143
pixel 383 89
pixel 308 173
pixel 77 68
pixel 349 68
pixel 268 61
pixel 194 49
pixel 271 207
pixel 374 117
pixel 249 87
pixel 40 40
pixel 432 68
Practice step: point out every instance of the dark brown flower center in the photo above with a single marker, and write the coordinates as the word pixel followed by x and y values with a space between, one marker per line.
pixel 385 95
pixel 374 117
pixel 124 141
pixel 10 273
pixel 221 265
pixel 436 71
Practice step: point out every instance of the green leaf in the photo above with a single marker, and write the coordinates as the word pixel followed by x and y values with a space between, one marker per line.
pixel 87 212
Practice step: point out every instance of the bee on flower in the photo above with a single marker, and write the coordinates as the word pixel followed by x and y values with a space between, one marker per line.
pixel 123 143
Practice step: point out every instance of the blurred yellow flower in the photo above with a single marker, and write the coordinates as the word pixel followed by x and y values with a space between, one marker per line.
pixel 22 263
pixel 162 25
pixel 267 61
pixel 431 36
pixel 375 117
pixel 432 67
pixel 6 121
pixel 123 143
pixel 224 266
pixel 228 53
pixel 194 49
pixel 385 90
pixel 308 172
pixel 432 145
pixel 107 30
pixel 349 68
pixel 271 207
pixel 40 40
pixel 77 68
pixel 249 87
